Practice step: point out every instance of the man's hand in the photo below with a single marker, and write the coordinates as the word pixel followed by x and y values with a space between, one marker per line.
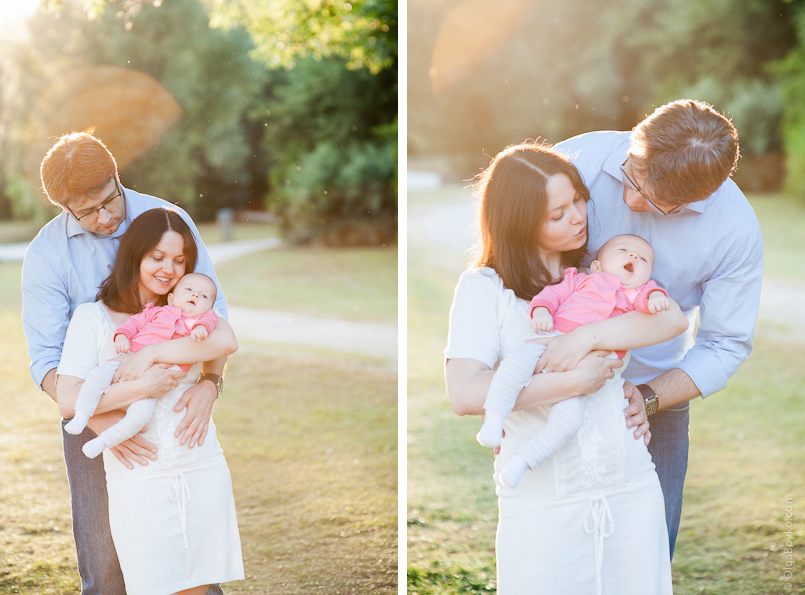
pixel 658 302
pixel 133 450
pixel 635 413
pixel 199 400
pixel 541 320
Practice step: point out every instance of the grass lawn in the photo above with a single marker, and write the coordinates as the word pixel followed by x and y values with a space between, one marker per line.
pixel 352 284
pixel 311 441
pixel 745 473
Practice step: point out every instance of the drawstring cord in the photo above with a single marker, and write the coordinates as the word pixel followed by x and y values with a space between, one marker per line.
pixel 595 523
pixel 180 492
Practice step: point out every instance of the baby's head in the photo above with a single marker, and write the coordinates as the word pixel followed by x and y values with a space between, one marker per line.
pixel 627 256
pixel 194 294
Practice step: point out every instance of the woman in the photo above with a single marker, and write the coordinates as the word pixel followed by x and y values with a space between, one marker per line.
pixel 592 517
pixel 173 521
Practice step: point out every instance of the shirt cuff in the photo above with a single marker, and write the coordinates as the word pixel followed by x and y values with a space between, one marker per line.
pixel 40 370
pixel 705 369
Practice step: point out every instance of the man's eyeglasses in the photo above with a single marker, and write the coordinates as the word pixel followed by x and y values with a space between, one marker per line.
pixel 93 214
pixel 636 187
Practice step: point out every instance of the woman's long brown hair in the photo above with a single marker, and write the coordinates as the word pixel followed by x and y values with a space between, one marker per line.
pixel 513 206
pixel 120 291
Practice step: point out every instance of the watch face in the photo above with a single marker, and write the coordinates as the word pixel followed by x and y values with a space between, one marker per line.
pixel 651 406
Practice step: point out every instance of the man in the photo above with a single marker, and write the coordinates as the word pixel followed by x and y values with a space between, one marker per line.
pixel 668 182
pixel 63 268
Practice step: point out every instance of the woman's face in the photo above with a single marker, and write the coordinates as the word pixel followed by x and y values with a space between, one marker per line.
pixel 161 268
pixel 565 226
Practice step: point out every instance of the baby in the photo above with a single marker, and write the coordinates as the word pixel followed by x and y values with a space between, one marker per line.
pixel 189 312
pixel 620 282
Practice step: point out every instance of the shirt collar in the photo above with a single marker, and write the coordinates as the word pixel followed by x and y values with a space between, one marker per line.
pixel 613 167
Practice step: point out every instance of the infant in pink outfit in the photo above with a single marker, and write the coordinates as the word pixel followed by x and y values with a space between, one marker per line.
pixel 189 312
pixel 620 282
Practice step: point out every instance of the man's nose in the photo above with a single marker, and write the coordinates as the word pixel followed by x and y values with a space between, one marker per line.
pixel 104 216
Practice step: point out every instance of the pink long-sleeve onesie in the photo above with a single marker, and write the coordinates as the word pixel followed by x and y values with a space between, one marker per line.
pixel 163 323
pixel 581 299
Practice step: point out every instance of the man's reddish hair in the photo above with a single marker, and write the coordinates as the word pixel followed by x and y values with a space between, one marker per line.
pixel 77 165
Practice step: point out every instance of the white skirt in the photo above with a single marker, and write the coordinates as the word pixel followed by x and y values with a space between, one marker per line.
pixel 591 520
pixel 173 521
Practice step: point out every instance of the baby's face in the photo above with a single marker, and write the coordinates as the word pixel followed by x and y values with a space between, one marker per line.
pixel 194 294
pixel 628 257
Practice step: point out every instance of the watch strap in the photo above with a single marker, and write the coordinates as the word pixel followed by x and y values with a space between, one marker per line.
pixel 650 397
pixel 215 379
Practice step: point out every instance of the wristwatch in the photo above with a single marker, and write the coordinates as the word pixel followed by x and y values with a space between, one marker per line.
pixel 652 401
pixel 215 379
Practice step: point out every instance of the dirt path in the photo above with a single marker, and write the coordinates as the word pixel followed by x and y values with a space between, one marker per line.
pixel 366 338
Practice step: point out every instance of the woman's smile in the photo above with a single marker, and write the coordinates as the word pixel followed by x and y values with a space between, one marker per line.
pixel 162 267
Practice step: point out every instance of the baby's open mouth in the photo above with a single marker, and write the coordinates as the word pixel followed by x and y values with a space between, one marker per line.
pixel 629 267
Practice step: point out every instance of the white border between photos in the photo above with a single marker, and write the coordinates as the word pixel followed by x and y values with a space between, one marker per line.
pixel 402 299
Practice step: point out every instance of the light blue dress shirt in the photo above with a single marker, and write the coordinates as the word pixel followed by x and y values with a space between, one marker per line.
pixel 64 267
pixel 709 257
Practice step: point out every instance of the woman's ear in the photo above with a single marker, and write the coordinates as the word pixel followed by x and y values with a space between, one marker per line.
pixel 595 267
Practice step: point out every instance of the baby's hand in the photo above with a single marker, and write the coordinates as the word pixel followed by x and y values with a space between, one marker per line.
pixel 541 320
pixel 122 344
pixel 657 302
pixel 199 333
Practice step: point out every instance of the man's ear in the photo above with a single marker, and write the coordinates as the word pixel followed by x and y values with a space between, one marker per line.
pixel 595 267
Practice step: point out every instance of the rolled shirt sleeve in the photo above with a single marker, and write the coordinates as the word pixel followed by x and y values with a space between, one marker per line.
pixel 728 314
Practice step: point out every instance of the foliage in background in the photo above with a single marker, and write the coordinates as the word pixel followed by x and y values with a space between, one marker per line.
pixel 251 119
pixel 339 131
pixel 364 32
pixel 572 67
pixel 792 72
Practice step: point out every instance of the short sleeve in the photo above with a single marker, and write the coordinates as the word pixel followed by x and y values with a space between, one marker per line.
pixel 474 331
pixel 80 351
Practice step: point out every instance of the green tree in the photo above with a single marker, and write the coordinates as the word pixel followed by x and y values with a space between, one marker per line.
pixel 791 71
pixel 363 32
pixel 334 132
pixel 203 161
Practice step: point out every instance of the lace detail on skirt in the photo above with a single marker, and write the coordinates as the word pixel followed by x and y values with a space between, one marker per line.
pixel 595 459
pixel 592 468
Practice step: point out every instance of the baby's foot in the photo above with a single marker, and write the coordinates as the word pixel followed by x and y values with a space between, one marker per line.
pixel 513 472
pixel 76 425
pixel 491 432
pixel 94 447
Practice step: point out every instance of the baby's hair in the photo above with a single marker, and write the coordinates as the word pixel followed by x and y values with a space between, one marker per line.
pixel 214 286
pixel 620 235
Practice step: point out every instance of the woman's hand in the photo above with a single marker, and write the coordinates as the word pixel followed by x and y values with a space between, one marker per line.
pixel 134 365
pixel 159 380
pixel 635 412
pixel 593 371
pixel 563 352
